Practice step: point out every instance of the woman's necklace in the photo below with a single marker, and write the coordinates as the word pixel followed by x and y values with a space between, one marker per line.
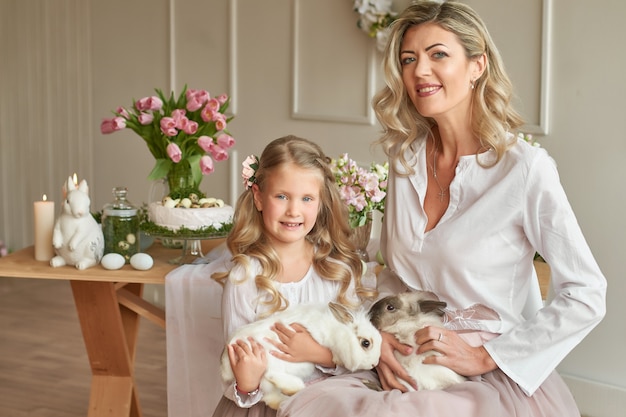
pixel 443 192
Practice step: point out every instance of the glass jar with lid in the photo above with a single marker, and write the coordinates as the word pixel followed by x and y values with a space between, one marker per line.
pixel 120 225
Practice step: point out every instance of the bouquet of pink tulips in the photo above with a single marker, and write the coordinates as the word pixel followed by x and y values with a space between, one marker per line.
pixel 184 134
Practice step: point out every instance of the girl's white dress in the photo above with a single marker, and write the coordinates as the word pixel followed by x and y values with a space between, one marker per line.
pixel 478 259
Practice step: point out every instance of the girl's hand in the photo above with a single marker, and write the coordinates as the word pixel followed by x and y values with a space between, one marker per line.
pixel 456 354
pixel 248 362
pixel 389 369
pixel 297 345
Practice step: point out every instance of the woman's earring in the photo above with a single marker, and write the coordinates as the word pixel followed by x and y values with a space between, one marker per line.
pixel 472 82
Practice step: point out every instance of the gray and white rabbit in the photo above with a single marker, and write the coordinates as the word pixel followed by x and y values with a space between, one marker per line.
pixel 404 314
pixel 77 237
pixel 353 340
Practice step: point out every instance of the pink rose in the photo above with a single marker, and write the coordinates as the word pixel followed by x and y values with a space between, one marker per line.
pixel 145 118
pixel 225 141
pixel 149 103
pixel 249 167
pixel 168 126
pixel 218 152
pixel 112 125
pixel 206 165
pixel 174 152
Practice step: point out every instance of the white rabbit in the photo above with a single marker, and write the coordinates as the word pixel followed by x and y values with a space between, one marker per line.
pixel 350 336
pixel 404 314
pixel 77 237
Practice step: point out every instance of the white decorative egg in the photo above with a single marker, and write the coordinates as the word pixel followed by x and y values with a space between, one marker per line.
pixel 112 261
pixel 141 261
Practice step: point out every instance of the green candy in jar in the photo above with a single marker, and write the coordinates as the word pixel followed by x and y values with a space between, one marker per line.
pixel 120 225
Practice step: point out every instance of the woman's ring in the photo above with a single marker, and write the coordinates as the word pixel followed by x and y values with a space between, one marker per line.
pixel 440 337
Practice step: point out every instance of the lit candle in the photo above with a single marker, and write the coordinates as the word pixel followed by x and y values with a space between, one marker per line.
pixel 235 175
pixel 44 223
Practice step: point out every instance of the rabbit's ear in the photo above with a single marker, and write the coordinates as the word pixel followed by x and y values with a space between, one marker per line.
pixel 83 187
pixel 69 185
pixel 428 306
pixel 341 313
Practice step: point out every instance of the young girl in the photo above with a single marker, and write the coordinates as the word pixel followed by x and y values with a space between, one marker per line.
pixel 290 245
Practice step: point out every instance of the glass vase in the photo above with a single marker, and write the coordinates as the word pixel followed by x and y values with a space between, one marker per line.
pixel 360 237
pixel 180 178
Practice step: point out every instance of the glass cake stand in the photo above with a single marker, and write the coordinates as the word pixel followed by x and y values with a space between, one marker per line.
pixel 191 245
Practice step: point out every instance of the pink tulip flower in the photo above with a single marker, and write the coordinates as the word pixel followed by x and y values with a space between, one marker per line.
pixel 112 125
pixel 149 103
pixel 122 112
pixel 225 141
pixel 168 126
pixel 145 118
pixel 196 99
pixel 206 165
pixel 213 104
pixel 222 98
pixel 205 142
pixel 190 127
pixel 220 121
pixel 174 152
pixel 207 114
pixel 219 153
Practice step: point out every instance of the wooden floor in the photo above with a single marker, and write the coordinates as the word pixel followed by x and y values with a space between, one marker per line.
pixel 44 370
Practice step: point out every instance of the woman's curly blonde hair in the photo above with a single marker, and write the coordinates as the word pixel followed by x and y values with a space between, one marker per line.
pixel 492 114
pixel 330 234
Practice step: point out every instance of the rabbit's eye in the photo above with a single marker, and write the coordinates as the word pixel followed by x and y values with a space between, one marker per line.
pixel 365 343
pixel 390 307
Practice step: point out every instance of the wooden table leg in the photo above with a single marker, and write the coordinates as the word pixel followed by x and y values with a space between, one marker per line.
pixel 110 334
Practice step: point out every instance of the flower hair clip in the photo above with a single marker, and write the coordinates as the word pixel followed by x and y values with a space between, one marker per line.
pixel 250 165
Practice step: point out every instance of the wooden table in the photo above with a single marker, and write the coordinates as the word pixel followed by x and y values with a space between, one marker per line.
pixel 109 305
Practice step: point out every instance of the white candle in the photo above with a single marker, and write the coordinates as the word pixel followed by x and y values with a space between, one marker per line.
pixel 44 223
pixel 235 175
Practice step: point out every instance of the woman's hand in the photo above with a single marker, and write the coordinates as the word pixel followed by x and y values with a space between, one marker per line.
pixel 248 362
pixel 389 369
pixel 456 354
pixel 297 345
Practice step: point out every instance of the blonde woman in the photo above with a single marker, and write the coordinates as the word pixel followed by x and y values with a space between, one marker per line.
pixel 468 205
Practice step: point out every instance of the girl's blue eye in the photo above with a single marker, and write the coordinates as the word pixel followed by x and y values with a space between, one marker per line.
pixel 307 199
pixel 440 55
pixel 281 196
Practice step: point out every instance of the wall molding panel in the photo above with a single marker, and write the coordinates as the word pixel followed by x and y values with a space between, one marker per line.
pixel 341 49
pixel 45 108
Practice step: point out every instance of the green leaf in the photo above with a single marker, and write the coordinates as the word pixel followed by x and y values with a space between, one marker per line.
pixel 160 170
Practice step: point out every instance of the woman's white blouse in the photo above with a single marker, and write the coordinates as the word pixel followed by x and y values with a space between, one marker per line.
pixel 480 255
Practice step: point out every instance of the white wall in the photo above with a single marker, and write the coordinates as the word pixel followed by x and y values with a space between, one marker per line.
pixel 83 59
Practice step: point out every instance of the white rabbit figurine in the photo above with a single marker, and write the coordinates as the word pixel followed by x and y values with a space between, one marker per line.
pixel 77 237
pixel 353 340
pixel 404 314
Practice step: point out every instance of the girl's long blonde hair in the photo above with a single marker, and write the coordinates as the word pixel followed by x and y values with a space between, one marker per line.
pixel 330 234
pixel 492 114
